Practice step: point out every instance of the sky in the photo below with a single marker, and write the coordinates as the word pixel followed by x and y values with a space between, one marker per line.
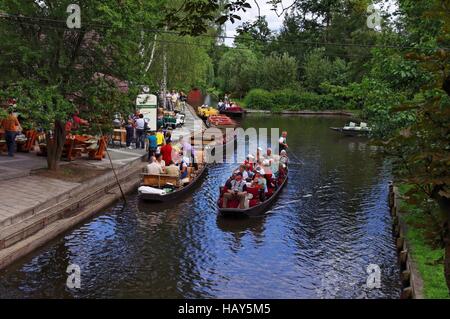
pixel 275 23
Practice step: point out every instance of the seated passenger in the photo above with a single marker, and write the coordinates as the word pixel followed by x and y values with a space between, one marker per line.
pixel 172 169
pixel 259 168
pixel 260 182
pixel 249 162
pixel 183 166
pixel 154 167
pixel 243 170
pixel 284 158
pixel 268 156
pixel 258 154
pixel 237 190
pixel 161 162
pixel 281 171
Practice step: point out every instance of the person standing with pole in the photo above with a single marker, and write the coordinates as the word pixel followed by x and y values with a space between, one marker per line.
pixel 12 127
pixel 283 142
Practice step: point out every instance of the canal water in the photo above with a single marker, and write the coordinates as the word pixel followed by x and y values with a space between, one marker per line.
pixel 329 224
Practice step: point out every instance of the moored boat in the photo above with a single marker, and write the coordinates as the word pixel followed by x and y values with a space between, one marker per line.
pixel 220 121
pixel 163 188
pixel 235 111
pixel 353 130
pixel 206 111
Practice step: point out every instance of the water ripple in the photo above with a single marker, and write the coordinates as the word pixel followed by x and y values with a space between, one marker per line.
pixel 328 225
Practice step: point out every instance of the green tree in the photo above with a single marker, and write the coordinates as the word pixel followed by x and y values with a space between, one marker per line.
pixel 319 69
pixel 254 35
pixel 422 150
pixel 277 72
pixel 238 71
pixel 57 68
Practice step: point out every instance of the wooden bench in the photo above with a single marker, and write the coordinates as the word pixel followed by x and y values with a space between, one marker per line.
pixel 98 154
pixel 31 139
pixel 159 181
pixel 70 151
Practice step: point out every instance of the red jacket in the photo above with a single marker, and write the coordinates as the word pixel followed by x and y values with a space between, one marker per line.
pixel 166 152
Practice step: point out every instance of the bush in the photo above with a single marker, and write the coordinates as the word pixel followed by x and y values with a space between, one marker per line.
pixel 292 100
pixel 259 99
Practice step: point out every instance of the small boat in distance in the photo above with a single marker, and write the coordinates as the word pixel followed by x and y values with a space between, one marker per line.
pixel 234 110
pixel 353 130
pixel 205 111
pixel 220 121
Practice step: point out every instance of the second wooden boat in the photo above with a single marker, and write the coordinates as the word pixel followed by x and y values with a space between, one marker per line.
pixel 160 181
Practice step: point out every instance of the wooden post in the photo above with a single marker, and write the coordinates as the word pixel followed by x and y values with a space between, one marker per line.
pixel 399 243
pixel 407 293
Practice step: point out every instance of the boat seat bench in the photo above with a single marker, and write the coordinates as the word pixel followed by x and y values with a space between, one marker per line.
pixel 156 180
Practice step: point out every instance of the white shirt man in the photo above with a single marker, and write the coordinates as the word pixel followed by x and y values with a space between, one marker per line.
pixel 140 124
pixel 283 141
pixel 154 167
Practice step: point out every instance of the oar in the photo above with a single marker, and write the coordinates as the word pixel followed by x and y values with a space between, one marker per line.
pixel 297 160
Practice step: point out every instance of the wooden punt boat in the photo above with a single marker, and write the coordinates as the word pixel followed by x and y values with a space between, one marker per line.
pixel 254 211
pixel 220 121
pixel 178 192
pixel 236 111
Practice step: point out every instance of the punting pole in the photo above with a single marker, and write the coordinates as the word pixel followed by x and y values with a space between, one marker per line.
pixel 112 166
pixel 298 161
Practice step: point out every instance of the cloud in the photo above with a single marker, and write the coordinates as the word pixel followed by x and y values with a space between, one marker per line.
pixel 275 23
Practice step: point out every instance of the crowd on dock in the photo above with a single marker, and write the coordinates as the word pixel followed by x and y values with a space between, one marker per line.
pixel 175 100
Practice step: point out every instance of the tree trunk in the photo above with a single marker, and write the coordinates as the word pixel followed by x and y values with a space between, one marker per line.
pixel 152 55
pixel 55 145
pixel 164 75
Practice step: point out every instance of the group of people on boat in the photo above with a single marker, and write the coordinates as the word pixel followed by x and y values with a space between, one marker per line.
pixel 256 178
pixel 167 158
pixel 225 105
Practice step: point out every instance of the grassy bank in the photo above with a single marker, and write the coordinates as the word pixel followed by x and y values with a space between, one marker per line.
pixel 422 233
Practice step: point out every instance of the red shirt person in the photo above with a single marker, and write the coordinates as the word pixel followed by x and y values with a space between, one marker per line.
pixel 75 122
pixel 166 152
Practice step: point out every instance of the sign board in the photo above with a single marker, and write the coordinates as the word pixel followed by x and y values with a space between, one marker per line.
pixel 146 104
